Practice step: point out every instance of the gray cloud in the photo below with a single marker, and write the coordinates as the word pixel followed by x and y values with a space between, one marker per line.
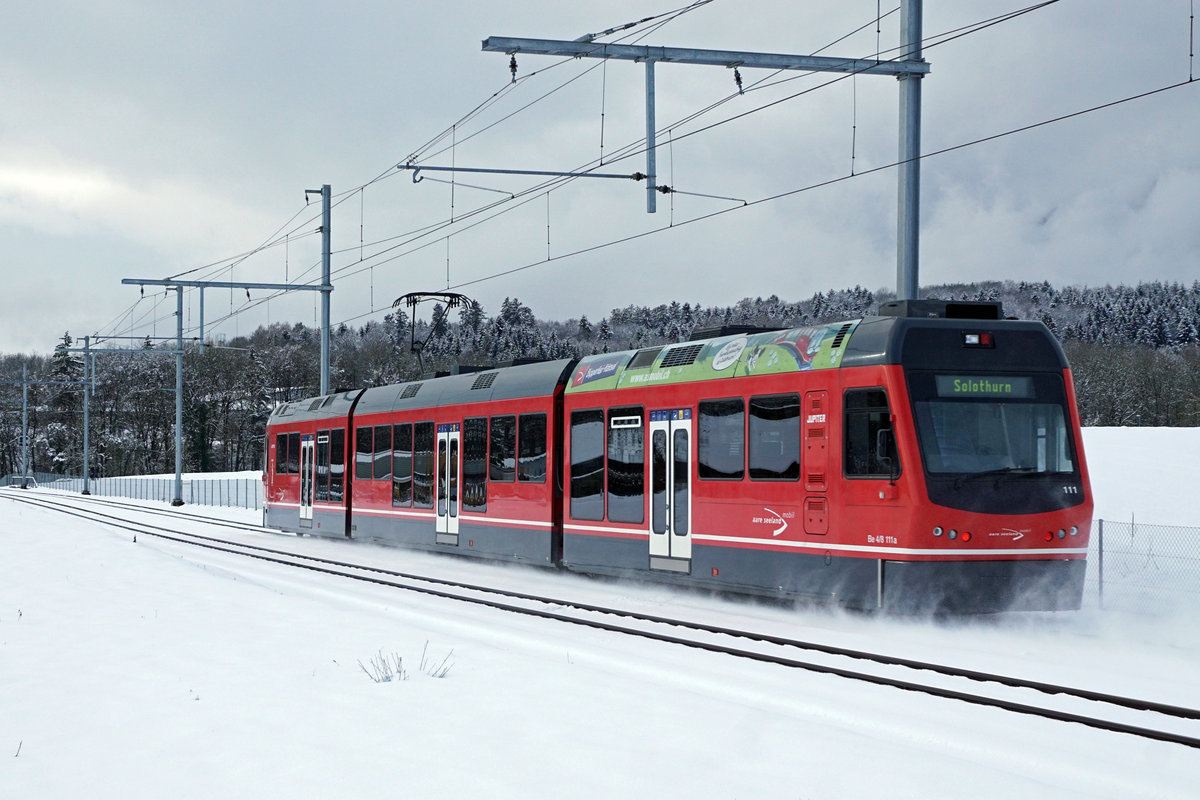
pixel 141 139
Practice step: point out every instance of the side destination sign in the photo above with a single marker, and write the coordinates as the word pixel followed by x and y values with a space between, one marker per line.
pixel 984 386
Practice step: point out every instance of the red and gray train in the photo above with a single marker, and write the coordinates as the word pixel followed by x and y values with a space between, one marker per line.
pixel 926 459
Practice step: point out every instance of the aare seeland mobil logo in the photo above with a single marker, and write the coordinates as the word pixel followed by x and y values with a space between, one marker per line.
pixel 772 517
pixel 1009 533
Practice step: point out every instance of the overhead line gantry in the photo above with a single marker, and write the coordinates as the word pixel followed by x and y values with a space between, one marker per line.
pixel 909 67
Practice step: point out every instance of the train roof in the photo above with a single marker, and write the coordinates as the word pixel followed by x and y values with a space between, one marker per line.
pixel 909 332
pixel 916 341
pixel 502 383
pixel 906 332
pixel 312 408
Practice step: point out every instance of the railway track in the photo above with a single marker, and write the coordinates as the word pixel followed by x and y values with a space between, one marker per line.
pixel 1131 716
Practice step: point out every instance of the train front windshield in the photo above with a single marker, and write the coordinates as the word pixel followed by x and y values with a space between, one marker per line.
pixel 993 424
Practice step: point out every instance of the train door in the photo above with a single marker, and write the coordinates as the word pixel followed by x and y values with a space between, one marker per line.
pixel 816 462
pixel 307 479
pixel 448 460
pixel 671 490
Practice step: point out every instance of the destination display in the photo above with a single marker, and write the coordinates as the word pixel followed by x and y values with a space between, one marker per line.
pixel 1005 386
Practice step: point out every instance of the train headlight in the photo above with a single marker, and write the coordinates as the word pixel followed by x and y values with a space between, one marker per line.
pixel 953 534
pixel 937 531
pixel 1062 534
pixel 966 536
pixel 1049 536
pixel 1074 530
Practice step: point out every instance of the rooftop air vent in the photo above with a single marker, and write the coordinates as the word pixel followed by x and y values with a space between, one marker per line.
pixel 411 390
pixel 681 356
pixel 841 335
pixel 484 380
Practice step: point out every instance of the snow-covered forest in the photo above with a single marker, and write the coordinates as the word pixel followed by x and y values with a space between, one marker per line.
pixel 1135 351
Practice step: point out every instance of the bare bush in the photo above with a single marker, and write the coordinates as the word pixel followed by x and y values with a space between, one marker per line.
pixel 441 670
pixel 384 669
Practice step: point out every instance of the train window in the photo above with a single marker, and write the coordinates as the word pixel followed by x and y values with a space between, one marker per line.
pixel 502 464
pixel 587 464
pixel 383 452
pixel 322 466
pixel 402 465
pixel 364 453
pixel 722 439
pixel 475 464
pixel 626 465
pixel 867 414
pixel 423 465
pixel 453 476
pixel 441 472
pixel 281 454
pixel 658 474
pixel 337 465
pixel 995 435
pixel 679 474
pixel 531 448
pixel 774 449
pixel 293 454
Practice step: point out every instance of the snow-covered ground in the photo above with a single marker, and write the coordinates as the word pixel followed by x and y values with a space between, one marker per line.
pixel 1144 473
pixel 149 670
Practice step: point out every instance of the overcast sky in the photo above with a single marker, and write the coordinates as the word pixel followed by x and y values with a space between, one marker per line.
pixel 146 139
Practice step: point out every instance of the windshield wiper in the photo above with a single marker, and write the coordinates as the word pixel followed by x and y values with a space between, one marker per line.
pixel 997 474
pixel 1005 471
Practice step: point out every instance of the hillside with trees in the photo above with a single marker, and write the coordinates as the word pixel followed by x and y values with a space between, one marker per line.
pixel 1135 352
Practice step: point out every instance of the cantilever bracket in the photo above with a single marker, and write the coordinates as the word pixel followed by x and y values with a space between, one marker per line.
pixel 417 168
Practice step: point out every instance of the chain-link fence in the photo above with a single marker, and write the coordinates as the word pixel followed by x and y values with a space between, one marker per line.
pixel 196 490
pixel 1144 568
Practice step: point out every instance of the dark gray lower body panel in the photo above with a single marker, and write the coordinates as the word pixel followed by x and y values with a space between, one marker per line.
pixel 323 523
pixel 852 582
pixel 905 587
pixel 524 545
